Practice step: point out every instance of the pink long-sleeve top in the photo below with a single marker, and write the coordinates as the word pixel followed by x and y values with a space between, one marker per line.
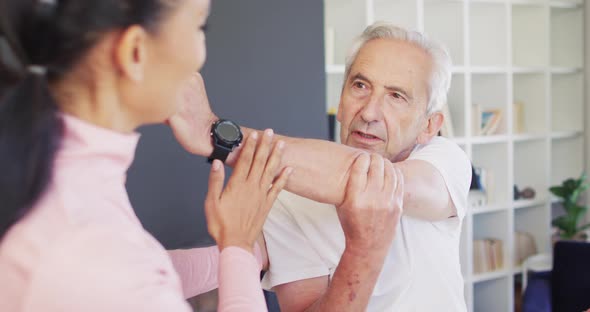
pixel 82 248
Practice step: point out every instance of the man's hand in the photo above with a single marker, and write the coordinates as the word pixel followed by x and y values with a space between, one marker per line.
pixel 372 205
pixel 192 122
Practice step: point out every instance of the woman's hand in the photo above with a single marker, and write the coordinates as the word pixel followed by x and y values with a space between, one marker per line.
pixel 192 122
pixel 236 214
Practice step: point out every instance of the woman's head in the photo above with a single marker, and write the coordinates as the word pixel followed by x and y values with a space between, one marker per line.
pixel 129 57
pixel 142 50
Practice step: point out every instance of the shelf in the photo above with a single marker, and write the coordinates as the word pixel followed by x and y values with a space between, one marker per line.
pixel 489 69
pixel 572 4
pixel 527 203
pixel 489 209
pixel 528 2
pixel 565 70
pixel 564 135
pixel 528 137
pixel 488 276
pixel 489 139
pixel 528 70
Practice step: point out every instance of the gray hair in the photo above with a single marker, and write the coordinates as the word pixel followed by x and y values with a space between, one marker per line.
pixel 440 82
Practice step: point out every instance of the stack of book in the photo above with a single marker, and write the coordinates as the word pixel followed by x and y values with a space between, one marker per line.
pixel 488 255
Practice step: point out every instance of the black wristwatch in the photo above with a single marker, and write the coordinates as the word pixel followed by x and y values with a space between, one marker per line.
pixel 226 136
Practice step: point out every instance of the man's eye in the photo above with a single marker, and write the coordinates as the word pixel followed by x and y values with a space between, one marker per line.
pixel 398 96
pixel 359 85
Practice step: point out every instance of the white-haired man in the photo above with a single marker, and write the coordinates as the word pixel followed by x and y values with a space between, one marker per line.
pixel 395 87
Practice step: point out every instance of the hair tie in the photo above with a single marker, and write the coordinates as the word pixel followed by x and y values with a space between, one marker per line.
pixel 37 70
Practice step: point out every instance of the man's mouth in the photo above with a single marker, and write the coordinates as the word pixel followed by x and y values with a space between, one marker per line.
pixel 365 135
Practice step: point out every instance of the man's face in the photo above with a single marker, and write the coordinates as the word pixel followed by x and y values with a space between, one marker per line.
pixel 384 99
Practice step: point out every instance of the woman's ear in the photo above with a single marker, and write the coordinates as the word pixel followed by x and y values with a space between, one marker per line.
pixel 131 53
pixel 433 124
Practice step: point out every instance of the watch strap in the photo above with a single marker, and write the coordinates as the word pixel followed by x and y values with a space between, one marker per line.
pixel 219 152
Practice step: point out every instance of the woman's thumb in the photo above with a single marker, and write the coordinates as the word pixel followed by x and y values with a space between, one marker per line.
pixel 216 179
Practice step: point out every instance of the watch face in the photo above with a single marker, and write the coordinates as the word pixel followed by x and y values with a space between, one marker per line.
pixel 228 132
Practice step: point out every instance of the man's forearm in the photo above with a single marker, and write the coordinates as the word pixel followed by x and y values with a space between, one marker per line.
pixel 354 280
pixel 321 167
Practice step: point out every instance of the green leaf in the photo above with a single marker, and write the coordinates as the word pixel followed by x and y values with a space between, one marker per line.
pixel 584 227
pixel 559 191
pixel 561 223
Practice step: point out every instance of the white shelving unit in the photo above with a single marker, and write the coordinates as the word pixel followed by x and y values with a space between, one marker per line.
pixel 504 51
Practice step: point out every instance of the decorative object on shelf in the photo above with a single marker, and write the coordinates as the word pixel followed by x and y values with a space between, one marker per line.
pixel 477 199
pixel 485 121
pixel 488 255
pixel 569 192
pixel 447 127
pixel 477 196
pixel 518 124
pixel 526 193
pixel 490 121
pixel 524 247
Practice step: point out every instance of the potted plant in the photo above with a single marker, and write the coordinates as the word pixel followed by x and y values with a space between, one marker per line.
pixel 568 225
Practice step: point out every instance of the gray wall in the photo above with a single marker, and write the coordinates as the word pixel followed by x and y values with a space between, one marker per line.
pixel 265 68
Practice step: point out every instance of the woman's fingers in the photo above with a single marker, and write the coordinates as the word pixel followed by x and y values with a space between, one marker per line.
pixel 216 178
pixel 277 187
pixel 244 162
pixel 272 164
pixel 261 155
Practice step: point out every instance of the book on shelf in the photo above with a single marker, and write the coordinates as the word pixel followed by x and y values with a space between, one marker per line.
pixel 524 246
pixel 488 255
pixel 484 179
pixel 518 125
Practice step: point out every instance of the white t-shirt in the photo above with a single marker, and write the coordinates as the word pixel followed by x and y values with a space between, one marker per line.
pixel 422 271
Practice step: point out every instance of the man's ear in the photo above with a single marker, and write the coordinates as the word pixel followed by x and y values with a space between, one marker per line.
pixel 131 53
pixel 433 124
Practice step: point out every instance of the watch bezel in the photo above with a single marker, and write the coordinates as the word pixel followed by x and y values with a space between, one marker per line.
pixel 220 139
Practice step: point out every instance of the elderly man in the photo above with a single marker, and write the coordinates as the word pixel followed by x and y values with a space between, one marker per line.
pixel 395 87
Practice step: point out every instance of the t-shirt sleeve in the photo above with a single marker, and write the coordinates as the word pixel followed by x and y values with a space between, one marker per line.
pixel 454 166
pixel 96 270
pixel 291 257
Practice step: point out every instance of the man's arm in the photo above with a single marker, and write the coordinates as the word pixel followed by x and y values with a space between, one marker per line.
pixel 426 196
pixel 369 217
pixel 324 163
pixel 350 289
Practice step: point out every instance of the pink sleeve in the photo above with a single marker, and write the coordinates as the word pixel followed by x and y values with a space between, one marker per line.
pixel 239 276
pixel 198 268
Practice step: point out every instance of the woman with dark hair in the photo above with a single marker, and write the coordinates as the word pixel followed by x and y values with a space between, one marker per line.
pixel 89 73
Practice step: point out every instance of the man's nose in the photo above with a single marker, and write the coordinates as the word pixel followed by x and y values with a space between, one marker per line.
pixel 373 109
